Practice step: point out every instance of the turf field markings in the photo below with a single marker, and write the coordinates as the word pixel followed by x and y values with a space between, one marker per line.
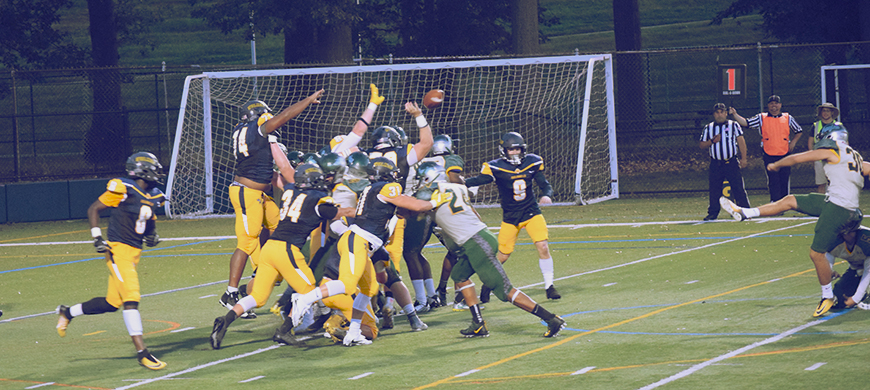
pixel 199 367
pixel 466 373
pixel 252 379
pixel 208 296
pixel 692 281
pixel 182 329
pixel 360 376
pixel 608 285
pixel 40 385
pixel 93 333
pixel 814 366
pixel 583 371
pixel 698 367
pixel 630 320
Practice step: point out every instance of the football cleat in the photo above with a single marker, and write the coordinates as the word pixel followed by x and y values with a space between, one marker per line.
pixel 731 208
pixel 484 294
pixel 318 323
pixel 442 297
pixel 417 324
pixel 249 315
pixel 355 337
pixel 229 299
pixel 554 326
pixel 276 310
pixel 475 330
pixel 460 306
pixel 421 308
pixel 824 305
pixel 217 332
pixel 433 302
pixel 297 311
pixel 62 321
pixel 387 317
pixel 552 293
pixel 286 338
pixel 147 360
pixel 863 306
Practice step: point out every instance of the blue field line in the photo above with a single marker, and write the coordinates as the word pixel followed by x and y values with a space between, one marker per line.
pixel 104 257
pixel 827 317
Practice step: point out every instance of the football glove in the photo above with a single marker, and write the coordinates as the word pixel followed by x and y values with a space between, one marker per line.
pixel 101 245
pixel 151 239
pixel 439 198
pixel 376 97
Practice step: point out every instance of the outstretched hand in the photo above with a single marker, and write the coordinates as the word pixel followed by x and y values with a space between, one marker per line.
pixel 376 97
pixel 413 109
pixel 315 97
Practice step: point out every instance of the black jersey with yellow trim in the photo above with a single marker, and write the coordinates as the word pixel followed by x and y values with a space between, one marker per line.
pixel 252 151
pixel 134 210
pixel 302 210
pixel 514 183
pixel 373 214
pixel 397 155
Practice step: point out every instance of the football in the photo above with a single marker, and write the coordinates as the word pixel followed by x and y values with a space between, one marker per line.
pixel 433 98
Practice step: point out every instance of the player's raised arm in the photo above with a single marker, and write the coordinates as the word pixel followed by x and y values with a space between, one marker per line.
pixel 421 148
pixel 290 112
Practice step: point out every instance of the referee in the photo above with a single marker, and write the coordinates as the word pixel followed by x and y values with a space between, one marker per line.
pixel 723 138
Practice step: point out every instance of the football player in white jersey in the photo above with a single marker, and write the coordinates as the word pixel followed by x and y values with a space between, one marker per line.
pixel 837 210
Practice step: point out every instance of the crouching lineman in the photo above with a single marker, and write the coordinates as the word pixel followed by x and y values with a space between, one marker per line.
pixel 850 289
pixel 133 199
pixel 476 247
pixel 377 205
pixel 304 206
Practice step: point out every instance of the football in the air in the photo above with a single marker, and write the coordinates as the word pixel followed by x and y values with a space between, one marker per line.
pixel 433 98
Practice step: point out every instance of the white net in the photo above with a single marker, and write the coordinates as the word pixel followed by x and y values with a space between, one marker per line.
pixel 541 98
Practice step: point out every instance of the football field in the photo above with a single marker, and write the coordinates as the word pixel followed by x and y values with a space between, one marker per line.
pixel 653 298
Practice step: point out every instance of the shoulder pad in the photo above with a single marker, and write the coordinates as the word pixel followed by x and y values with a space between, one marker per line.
pixel 117 186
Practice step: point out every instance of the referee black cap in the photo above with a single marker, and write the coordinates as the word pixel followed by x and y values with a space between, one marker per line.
pixel 719 106
pixel 774 98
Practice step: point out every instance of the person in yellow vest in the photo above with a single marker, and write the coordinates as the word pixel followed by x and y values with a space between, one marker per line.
pixel 827 114
pixel 779 135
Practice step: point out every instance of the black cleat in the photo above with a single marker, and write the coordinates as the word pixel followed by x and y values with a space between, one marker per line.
pixel 475 330
pixel 228 300
pixel 554 326
pixel 217 332
pixel 552 293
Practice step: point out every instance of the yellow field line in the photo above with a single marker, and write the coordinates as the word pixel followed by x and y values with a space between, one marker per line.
pixel 574 337
pixel 45 236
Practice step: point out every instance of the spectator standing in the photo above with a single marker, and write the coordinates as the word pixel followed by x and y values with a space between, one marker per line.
pixel 827 114
pixel 776 128
pixel 723 138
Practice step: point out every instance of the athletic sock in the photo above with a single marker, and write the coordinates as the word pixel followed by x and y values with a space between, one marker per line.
pixel 546 266
pixel 752 212
pixel 430 287
pixel 475 313
pixel 231 289
pixel 419 290
pixel 827 291
pixel 542 313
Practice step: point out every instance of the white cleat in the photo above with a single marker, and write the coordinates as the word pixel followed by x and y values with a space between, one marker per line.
pixel 297 311
pixel 355 337
pixel 731 208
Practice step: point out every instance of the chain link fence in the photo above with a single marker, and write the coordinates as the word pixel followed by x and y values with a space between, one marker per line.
pixel 82 123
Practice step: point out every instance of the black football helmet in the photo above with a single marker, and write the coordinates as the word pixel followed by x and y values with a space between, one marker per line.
pixel 309 176
pixel 332 165
pixel 252 110
pixel 386 137
pixel 403 136
pixel 443 145
pixel 509 141
pixel 383 169
pixel 144 165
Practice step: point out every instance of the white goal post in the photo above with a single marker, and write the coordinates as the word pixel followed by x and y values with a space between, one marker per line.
pixel 563 106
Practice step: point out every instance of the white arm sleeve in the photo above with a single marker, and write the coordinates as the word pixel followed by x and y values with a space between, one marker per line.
pixel 349 141
pixel 338 227
pixel 412 157
pixel 830 258
pixel 865 281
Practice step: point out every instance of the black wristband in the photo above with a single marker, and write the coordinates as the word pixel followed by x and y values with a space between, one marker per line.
pixel 364 121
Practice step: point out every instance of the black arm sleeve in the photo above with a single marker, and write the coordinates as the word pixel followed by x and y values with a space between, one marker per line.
pixel 478 180
pixel 327 211
pixel 546 188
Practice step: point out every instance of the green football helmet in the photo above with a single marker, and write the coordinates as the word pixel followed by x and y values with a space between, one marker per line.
pixel 144 165
pixel 311 158
pixel 403 136
pixel 295 158
pixel 443 145
pixel 332 165
pixel 430 172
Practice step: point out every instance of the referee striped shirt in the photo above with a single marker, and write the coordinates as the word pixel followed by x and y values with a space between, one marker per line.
pixel 726 148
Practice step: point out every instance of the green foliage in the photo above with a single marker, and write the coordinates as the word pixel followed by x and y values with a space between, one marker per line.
pixel 28 38
pixel 803 20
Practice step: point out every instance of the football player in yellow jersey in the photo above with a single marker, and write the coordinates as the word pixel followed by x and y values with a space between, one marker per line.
pixel 134 199
pixel 377 205
pixel 252 183
pixel 514 174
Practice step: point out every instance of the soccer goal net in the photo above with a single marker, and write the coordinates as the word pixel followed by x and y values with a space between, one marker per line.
pixel 563 107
